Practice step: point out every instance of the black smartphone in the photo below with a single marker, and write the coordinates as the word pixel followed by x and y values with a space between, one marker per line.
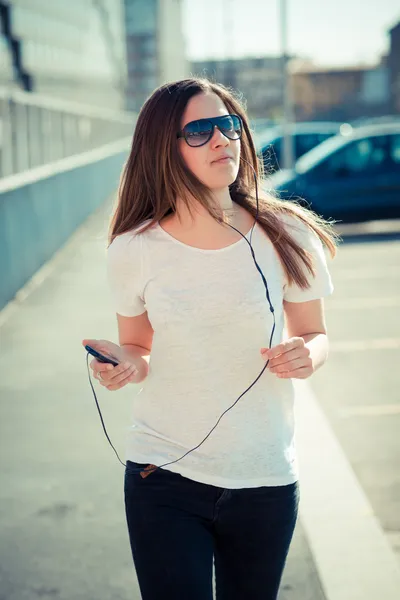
pixel 101 357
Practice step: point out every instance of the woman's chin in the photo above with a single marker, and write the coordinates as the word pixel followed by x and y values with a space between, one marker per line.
pixel 217 186
pixel 223 181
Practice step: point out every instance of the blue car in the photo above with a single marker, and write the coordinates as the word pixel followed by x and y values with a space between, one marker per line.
pixel 269 143
pixel 354 176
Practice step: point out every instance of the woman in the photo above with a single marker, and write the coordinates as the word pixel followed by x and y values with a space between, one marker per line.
pixel 187 293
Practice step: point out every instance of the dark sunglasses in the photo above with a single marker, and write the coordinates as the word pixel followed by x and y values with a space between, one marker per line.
pixel 198 133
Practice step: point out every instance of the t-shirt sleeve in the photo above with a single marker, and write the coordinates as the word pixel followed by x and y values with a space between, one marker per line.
pixel 320 285
pixel 125 274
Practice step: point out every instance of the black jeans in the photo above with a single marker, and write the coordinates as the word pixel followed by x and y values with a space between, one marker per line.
pixel 177 526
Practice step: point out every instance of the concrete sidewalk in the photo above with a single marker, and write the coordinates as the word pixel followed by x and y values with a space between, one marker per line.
pixel 62 520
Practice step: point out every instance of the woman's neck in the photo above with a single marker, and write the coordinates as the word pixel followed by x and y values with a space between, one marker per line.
pixel 201 217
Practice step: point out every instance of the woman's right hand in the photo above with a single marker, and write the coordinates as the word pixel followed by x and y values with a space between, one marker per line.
pixel 113 378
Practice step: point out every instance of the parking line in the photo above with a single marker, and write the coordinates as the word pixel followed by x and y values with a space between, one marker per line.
pixel 373 410
pixel 354 558
pixel 361 303
pixel 388 272
pixel 359 345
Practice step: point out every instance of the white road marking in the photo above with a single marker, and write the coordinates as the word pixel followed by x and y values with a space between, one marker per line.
pixel 388 272
pixel 374 410
pixel 361 303
pixel 362 345
pixel 353 556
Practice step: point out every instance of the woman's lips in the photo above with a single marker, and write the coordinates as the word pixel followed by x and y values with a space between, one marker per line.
pixel 222 160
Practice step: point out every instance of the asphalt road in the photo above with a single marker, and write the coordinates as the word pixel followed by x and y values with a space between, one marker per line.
pixel 62 525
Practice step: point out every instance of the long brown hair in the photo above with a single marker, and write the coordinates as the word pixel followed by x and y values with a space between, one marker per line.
pixel 155 175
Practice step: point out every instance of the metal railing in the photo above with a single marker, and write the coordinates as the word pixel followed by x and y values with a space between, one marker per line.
pixel 36 130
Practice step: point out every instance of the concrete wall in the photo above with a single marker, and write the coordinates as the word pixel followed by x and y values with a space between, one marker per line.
pixel 41 208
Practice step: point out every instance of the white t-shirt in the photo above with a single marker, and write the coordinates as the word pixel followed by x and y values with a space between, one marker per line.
pixel 210 316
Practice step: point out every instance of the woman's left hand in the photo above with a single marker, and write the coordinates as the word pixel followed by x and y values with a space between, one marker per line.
pixel 290 359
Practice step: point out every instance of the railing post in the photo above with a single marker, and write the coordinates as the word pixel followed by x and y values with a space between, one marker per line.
pixel 7 162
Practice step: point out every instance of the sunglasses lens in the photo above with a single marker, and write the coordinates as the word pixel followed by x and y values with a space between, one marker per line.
pixel 230 126
pixel 198 133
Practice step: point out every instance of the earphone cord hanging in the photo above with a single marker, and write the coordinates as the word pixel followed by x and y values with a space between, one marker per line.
pixel 152 468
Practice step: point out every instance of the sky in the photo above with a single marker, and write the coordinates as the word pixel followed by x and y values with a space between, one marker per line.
pixel 328 32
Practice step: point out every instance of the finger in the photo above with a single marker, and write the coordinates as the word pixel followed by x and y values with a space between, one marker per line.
pixel 283 347
pixel 301 373
pixel 116 386
pixel 119 373
pixel 99 367
pixel 96 365
pixel 300 352
pixel 104 371
pixel 98 375
pixel 120 369
pixel 292 365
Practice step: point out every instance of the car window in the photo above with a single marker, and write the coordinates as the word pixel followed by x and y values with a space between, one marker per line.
pixel 303 143
pixel 307 141
pixel 395 148
pixel 360 156
pixel 318 155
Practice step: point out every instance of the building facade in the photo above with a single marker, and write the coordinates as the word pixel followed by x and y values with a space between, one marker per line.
pixel 154 45
pixel 350 93
pixel 341 94
pixel 257 80
pixel 74 50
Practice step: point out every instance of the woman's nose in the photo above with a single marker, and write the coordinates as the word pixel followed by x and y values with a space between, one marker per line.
pixel 218 138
